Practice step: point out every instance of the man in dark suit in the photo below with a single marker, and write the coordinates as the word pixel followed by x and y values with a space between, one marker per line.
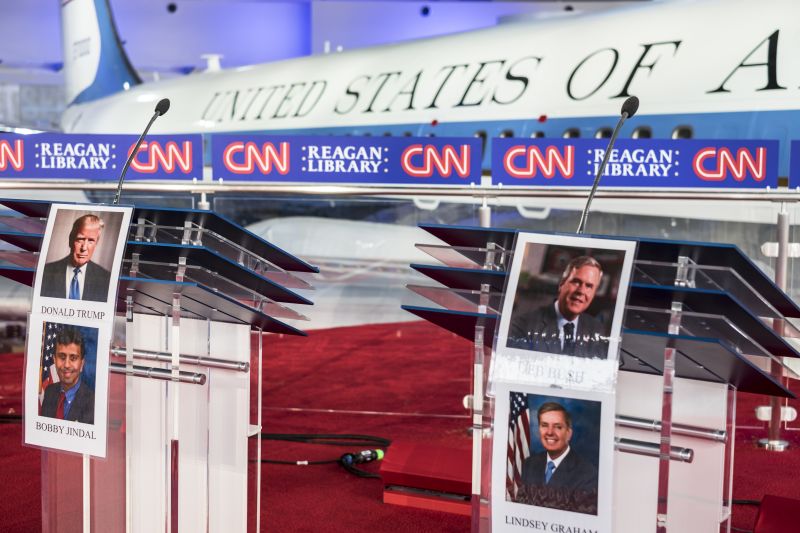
pixel 75 276
pixel 562 327
pixel 69 399
pixel 558 477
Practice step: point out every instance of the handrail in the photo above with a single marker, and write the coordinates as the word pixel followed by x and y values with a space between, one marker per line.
pixel 651 449
pixel 716 435
pixel 157 373
pixel 166 357
pixel 769 195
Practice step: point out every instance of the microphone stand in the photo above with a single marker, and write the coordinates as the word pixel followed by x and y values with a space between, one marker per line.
pixel 132 155
pixel 585 214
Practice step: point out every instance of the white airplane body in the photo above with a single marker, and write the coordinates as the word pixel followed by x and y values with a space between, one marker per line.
pixel 723 68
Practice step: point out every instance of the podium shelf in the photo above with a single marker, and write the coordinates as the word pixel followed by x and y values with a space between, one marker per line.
pixel 464 278
pixel 705 359
pixel 30 242
pixel 227 229
pixel 467 300
pixel 723 279
pixel 198 300
pixel 719 255
pixel 471 236
pixel 172 254
pixel 465 257
pixel 459 322
pixel 709 303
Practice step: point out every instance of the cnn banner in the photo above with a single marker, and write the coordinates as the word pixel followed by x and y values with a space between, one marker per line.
pixel 374 160
pixel 635 163
pixel 100 157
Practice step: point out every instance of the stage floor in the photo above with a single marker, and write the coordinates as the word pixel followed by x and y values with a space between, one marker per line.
pixel 396 381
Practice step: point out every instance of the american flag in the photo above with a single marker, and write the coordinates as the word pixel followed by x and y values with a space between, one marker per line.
pixel 519 442
pixel 49 374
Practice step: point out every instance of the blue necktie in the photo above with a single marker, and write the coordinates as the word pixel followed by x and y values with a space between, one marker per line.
pixel 74 287
pixel 548 473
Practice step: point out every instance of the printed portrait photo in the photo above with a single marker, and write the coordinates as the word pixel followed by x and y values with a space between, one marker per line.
pixel 565 300
pixel 553 452
pixel 80 254
pixel 68 369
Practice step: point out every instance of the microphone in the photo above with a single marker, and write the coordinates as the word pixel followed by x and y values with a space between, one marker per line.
pixel 161 108
pixel 364 456
pixel 629 108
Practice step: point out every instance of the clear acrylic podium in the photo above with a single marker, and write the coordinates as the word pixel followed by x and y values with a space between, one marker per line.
pixel 701 322
pixel 196 294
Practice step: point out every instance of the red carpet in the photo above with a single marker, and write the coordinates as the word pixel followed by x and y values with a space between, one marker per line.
pixel 393 381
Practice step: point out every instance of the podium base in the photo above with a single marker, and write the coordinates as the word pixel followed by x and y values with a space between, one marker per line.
pixel 773 445
pixel 428 476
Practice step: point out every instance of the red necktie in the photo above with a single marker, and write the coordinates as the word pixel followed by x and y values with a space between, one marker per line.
pixel 60 407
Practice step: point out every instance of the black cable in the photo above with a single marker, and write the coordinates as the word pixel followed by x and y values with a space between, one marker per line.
pixel 329 439
pixel 746 502
pixel 357 471
pixel 346 461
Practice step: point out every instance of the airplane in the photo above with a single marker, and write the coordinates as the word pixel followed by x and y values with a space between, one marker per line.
pixel 555 77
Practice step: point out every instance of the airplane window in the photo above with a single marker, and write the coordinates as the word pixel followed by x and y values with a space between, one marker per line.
pixel 407 134
pixel 507 133
pixel 682 132
pixel 430 135
pixel 367 134
pixel 603 133
pixel 538 134
pixel 387 133
pixel 571 133
pixel 642 132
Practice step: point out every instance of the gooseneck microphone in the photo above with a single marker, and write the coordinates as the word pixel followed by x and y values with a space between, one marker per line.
pixel 161 108
pixel 629 108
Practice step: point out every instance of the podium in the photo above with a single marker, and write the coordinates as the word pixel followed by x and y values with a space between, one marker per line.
pixel 701 322
pixel 196 294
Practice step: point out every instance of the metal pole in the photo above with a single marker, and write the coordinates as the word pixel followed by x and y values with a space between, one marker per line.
pixel 485 215
pixel 773 442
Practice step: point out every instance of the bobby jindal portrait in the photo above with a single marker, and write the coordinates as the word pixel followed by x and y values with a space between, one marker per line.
pixel 558 477
pixel 76 276
pixel 70 398
pixel 562 325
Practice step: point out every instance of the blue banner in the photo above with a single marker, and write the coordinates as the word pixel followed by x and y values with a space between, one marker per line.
pixel 794 165
pixel 100 157
pixel 650 163
pixel 373 160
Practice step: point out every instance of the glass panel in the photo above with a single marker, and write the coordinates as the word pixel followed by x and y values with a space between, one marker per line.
pixel 19 258
pixel 723 279
pixel 197 236
pixel 458 299
pixel 468 257
pixel 695 325
pixel 23 224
